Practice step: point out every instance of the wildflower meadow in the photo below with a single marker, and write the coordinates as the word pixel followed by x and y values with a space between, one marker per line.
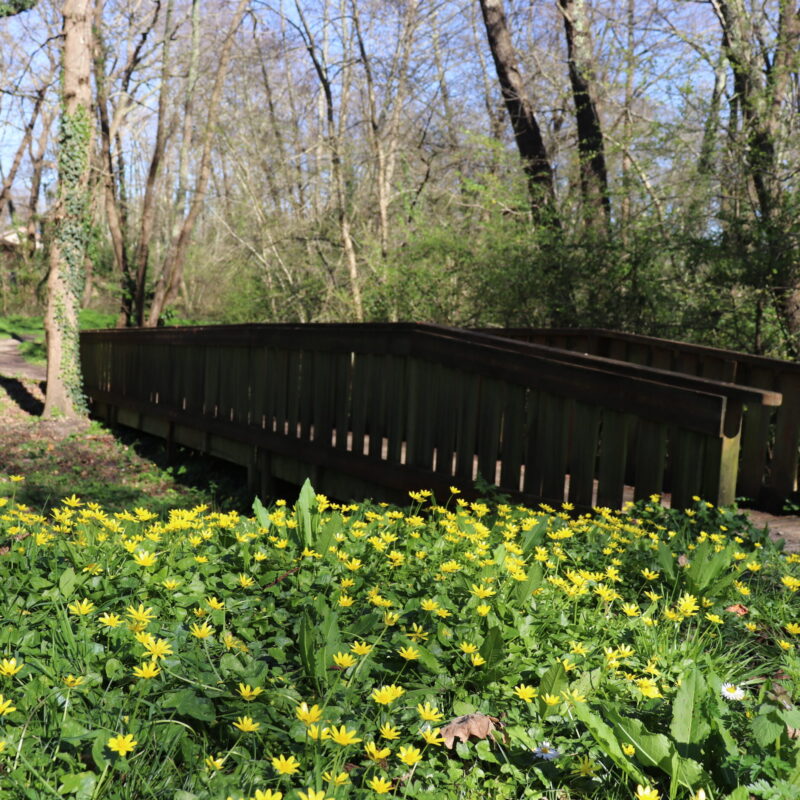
pixel 448 650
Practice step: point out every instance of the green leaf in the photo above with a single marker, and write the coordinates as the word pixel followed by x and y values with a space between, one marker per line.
pixel 554 681
pixel 99 749
pixel 305 643
pixel 688 725
pixel 72 729
pixel 462 708
pixel 114 668
pixel 656 750
pixel 261 515
pixel 523 590
pixel 81 784
pixel 189 704
pixel 768 726
pixel 666 561
pixel 605 737
pixel 306 504
pixel 740 793
pixel 791 716
pixel 67 582
pixel 492 647
pixel 484 752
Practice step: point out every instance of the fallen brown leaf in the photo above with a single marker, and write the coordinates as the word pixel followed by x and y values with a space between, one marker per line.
pixel 479 726
pixel 738 608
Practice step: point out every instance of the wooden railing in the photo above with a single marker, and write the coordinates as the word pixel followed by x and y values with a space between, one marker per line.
pixel 770 451
pixel 380 409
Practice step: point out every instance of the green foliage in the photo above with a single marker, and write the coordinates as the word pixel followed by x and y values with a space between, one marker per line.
pixel 241 657
pixel 9 8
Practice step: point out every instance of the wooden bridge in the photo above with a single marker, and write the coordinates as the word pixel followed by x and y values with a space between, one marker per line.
pixel 378 409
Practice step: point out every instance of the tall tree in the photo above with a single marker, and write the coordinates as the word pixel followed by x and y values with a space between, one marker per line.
pixel 527 134
pixel 591 151
pixel 67 250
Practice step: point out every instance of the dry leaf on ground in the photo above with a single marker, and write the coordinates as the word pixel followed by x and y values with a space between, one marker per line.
pixel 463 728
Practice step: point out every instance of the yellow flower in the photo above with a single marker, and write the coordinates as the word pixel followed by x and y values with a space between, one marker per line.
pixel 110 620
pixel 631 609
pixel 72 501
pixel 388 732
pixel 338 780
pixel 551 699
pixel 715 618
pixel 249 694
pixel 361 648
pixel 144 559
pixel 466 647
pixel 216 604
pixel 308 715
pixel 9 667
pixel 245 581
pixel 409 653
pixel 285 766
pixel 410 755
pixel 783 644
pixel 71 680
pixel 122 744
pixel 268 794
pixel 646 793
pixel 149 669
pixel 524 692
pixel 246 724
pixel 483 609
pixel 429 605
pixel 429 713
pixel 312 794
pixel 793 628
pixel 482 591
pixel 140 614
pixel 345 600
pixel 214 763
pixel 391 618
pixel 477 660
pixel 343 660
pixel 342 736
pixel 201 631
pixel 170 584
pixel 648 687
pixel 387 694
pixel 82 608
pixel 585 767
pixel 158 648
pixel 628 749
pixel 687 605
pixel 379 785
pixel 374 753
pixel 649 574
pixel 432 736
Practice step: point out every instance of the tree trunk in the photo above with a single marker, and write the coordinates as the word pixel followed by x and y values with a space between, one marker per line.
pixel 169 281
pixel 66 278
pixel 591 152
pixel 530 144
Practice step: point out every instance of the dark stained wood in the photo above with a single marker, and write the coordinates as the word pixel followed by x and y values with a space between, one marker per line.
pixel 613 455
pixel 583 453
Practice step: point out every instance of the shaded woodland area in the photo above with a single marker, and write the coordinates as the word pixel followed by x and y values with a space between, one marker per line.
pixel 631 164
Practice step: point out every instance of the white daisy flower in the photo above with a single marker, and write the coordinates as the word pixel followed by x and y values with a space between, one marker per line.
pixel 546 751
pixel 730 691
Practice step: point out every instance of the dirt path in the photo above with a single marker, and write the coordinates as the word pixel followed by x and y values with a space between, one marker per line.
pixel 13 365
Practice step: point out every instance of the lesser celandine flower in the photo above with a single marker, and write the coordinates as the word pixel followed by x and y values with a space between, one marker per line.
pixel 339 779
pixel 285 766
pixel 387 694
pixel 361 648
pixel 468 647
pixel 140 614
pixel 628 749
pixel 9 667
pixel 343 736
pixel 646 793
pixel 144 559
pixel 110 620
pixel 249 693
pixel 432 736
pixel 483 609
pixel 216 604
pixel 82 608
pixel 409 755
pixel 214 763
pixel 71 680
pixel 312 794
pixel 429 713
pixel 246 724
pixel 171 584
pixel 122 744
pixel 477 660
pixel 379 785
pixel 147 670
pixel 343 660
pixel 524 692
pixel 389 732
pixel 268 794
pixel 308 715
pixel 409 653
pixel 376 753
pixel 201 631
